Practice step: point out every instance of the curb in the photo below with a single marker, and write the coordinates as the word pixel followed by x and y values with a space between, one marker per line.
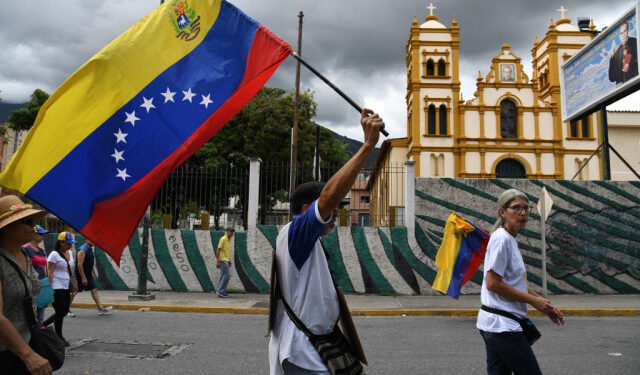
pixel 613 312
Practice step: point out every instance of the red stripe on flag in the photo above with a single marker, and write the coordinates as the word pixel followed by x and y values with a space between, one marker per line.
pixel 126 210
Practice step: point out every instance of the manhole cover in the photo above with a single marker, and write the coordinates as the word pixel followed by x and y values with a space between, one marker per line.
pixel 264 304
pixel 124 349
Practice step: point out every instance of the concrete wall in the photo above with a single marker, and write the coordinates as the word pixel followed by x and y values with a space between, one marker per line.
pixel 592 242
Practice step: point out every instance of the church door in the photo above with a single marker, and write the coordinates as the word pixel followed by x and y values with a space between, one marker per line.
pixel 510 168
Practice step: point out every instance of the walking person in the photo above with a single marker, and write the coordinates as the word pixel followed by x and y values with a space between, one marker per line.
pixel 39 260
pixel 60 264
pixel 224 262
pixel 504 289
pixel 302 269
pixel 16 228
pixel 85 260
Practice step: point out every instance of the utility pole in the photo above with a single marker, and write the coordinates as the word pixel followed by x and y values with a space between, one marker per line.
pixel 294 130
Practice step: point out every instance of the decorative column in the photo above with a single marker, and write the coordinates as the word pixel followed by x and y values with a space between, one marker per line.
pixel 254 192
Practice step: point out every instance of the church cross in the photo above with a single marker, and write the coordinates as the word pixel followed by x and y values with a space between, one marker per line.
pixel 562 11
pixel 431 8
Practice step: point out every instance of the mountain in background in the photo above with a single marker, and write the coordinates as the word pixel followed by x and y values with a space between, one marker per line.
pixel 6 108
pixel 353 146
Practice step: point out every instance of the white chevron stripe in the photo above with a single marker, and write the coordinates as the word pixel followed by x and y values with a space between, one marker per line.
pixel 350 258
pixel 180 260
pixel 203 239
pixel 260 253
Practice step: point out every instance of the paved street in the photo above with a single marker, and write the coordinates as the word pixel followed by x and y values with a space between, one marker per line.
pixel 235 344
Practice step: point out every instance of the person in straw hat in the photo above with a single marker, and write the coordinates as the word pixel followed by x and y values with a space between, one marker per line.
pixel 16 227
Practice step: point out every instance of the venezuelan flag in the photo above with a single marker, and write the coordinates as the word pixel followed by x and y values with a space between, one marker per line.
pixel 107 139
pixel 460 254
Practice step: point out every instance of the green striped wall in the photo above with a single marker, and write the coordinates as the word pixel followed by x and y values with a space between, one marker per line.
pixel 592 244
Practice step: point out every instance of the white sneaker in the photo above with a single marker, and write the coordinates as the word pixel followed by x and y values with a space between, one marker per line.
pixel 70 314
pixel 104 310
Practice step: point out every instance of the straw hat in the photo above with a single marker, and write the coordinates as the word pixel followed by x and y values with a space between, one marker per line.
pixel 13 209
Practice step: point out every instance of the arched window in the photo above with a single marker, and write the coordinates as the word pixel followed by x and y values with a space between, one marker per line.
pixel 441 67
pixel 443 119
pixel 430 67
pixel 508 116
pixel 431 120
pixel 510 168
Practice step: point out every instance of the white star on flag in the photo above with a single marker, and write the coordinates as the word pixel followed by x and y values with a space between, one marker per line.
pixel 122 173
pixel 118 155
pixel 148 104
pixel 168 95
pixel 120 136
pixel 188 95
pixel 131 118
pixel 206 100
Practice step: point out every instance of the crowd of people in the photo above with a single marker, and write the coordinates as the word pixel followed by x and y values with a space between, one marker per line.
pixel 22 256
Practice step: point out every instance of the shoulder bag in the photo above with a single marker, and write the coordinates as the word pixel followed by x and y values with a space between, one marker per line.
pixel 44 340
pixel 528 328
pixel 342 354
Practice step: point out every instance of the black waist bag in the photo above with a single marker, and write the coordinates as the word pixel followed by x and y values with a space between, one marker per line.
pixel 528 328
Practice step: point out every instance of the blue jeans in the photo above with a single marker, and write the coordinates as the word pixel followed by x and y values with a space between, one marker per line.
pixel 40 315
pixel 509 352
pixel 225 274
pixel 291 369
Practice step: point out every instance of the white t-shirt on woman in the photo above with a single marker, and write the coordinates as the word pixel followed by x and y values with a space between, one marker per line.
pixel 60 273
pixel 503 257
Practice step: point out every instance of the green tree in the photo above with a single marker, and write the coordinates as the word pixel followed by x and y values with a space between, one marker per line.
pixel 24 118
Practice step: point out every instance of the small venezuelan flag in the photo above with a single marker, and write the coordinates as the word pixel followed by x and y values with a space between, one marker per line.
pixel 107 139
pixel 460 254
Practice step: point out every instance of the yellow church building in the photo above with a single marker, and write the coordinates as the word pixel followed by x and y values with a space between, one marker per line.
pixel 512 128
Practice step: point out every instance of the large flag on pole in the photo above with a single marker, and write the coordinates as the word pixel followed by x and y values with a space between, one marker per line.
pixel 460 254
pixel 107 139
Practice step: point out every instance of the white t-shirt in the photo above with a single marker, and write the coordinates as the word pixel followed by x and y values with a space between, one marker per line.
pixel 307 287
pixel 503 257
pixel 60 273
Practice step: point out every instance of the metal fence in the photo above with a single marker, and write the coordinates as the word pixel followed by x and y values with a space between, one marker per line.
pixel 195 198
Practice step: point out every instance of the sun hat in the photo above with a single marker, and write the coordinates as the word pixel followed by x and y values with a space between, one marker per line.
pixel 12 209
pixel 66 237
pixel 40 230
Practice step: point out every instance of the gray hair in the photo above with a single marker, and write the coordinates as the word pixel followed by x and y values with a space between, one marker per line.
pixel 503 202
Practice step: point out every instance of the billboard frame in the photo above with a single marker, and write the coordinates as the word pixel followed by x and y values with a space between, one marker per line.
pixel 616 93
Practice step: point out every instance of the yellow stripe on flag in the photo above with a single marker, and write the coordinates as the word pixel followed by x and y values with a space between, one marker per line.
pixel 454 231
pixel 100 87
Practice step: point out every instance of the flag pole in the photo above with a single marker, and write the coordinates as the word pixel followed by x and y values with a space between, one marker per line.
pixel 344 96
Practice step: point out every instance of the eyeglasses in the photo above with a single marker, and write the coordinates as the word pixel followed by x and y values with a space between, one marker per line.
pixel 27 221
pixel 519 209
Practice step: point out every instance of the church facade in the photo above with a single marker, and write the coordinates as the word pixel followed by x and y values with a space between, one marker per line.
pixel 512 126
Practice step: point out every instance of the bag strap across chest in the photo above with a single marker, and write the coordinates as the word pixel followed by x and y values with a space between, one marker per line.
pixel 27 301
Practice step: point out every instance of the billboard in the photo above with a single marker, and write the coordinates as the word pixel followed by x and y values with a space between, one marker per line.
pixel 603 69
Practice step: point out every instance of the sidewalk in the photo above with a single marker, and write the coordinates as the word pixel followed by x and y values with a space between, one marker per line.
pixel 369 305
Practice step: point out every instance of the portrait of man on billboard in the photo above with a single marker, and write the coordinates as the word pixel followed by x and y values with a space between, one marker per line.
pixel 623 61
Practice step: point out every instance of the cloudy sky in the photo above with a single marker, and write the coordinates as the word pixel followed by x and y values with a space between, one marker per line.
pixel 357 44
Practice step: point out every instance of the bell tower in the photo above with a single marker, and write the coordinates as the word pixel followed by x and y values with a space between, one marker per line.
pixel 433 96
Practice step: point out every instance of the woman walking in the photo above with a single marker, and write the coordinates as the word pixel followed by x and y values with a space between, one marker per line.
pixel 16 228
pixel 60 264
pixel 504 289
